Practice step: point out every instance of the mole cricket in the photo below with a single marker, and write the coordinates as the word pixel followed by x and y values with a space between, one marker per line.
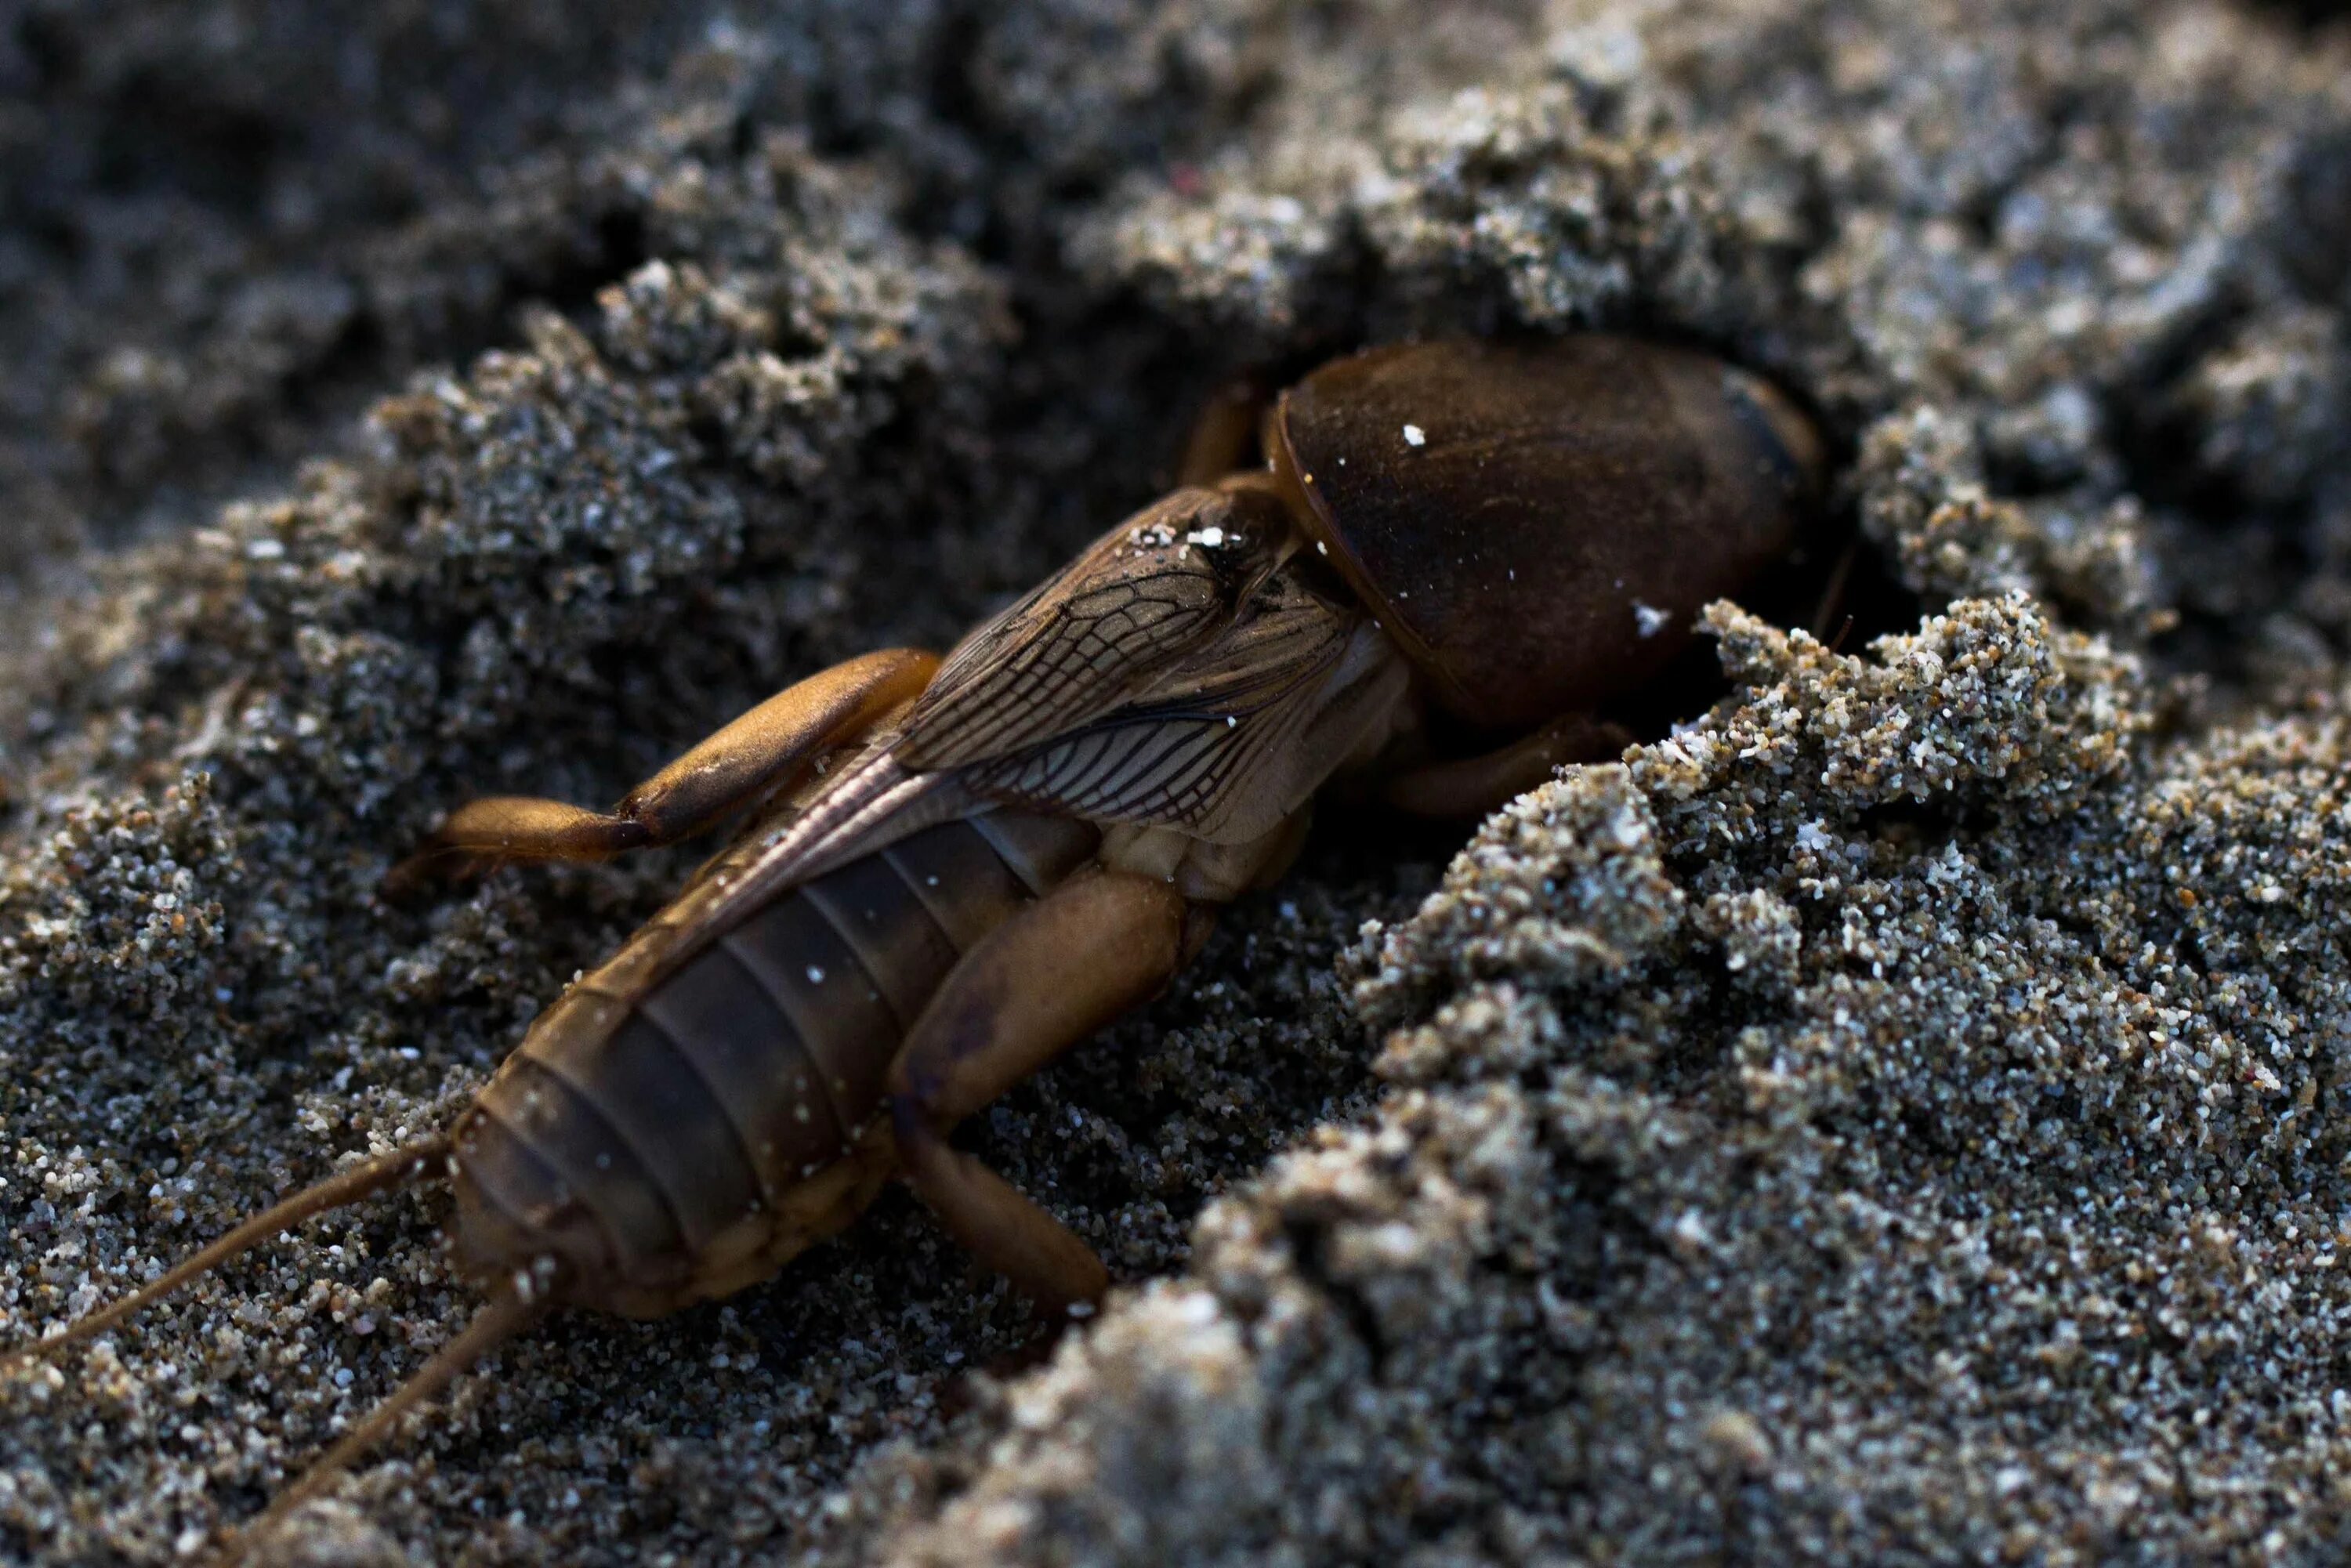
pixel 953 871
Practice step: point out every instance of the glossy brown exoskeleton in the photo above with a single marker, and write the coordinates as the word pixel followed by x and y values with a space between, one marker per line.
pixel 954 872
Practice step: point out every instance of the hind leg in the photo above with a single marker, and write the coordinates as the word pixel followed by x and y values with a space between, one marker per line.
pixel 1038 985
pixel 745 760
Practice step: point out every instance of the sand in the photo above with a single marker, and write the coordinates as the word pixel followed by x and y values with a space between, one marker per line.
pixel 1892 1114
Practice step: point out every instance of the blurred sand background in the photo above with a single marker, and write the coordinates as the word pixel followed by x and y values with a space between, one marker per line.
pixel 1899 1116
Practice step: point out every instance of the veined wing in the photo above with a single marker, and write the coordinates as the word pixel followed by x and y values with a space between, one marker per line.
pixel 1222 735
pixel 1158 587
pixel 1223 745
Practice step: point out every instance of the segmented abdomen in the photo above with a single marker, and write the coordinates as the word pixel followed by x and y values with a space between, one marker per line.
pixel 702 1073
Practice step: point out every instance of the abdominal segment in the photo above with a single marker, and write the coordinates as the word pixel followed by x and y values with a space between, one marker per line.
pixel 638 1127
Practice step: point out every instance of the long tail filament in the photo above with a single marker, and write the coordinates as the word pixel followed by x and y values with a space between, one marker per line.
pixel 508 1314
pixel 396 1168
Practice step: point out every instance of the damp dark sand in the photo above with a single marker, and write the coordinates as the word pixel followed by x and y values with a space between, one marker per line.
pixel 1897 1116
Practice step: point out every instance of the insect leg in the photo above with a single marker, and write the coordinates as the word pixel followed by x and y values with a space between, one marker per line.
pixel 1474 786
pixel 1224 434
pixel 1038 985
pixel 747 760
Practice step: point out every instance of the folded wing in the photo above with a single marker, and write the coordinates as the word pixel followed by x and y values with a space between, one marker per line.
pixel 1170 676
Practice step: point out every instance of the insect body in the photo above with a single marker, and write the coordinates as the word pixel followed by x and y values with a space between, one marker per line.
pixel 1010 848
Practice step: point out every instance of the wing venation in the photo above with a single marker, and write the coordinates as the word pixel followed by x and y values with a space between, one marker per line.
pixel 1151 591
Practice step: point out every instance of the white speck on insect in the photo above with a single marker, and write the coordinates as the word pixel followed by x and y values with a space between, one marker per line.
pixel 1415 436
pixel 1231 723
pixel 1210 537
pixel 1648 620
pixel 1321 549
pixel 816 976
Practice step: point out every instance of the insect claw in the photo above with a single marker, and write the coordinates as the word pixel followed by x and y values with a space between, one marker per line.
pixel 424 870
